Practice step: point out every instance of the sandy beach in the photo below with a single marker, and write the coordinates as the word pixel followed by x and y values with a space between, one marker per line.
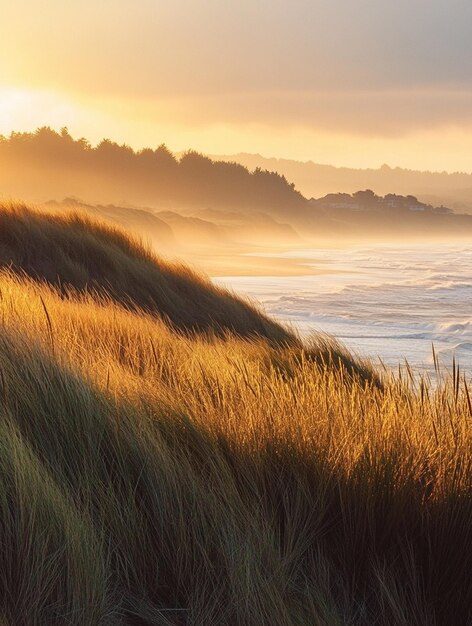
pixel 244 261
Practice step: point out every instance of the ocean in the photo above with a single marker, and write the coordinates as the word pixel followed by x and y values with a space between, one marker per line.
pixel 382 301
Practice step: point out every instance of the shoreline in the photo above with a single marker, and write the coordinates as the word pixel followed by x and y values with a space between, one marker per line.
pixel 246 262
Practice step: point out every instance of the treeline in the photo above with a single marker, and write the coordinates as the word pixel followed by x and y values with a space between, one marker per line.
pixel 46 162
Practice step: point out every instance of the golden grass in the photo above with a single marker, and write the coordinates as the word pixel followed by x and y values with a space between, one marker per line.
pixel 150 476
pixel 72 251
pixel 233 480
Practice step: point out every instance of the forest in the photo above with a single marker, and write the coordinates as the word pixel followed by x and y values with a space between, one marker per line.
pixel 47 164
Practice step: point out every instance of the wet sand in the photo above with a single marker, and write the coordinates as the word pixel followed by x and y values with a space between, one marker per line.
pixel 244 262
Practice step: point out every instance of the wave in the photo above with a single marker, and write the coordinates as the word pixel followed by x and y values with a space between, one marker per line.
pixel 387 301
pixel 455 327
pixel 462 346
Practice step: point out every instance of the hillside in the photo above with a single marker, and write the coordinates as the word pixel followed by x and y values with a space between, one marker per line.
pixel 252 227
pixel 47 165
pixel 173 231
pixel 315 180
pixel 154 477
pixel 69 251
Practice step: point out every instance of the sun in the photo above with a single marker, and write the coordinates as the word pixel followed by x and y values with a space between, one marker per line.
pixel 23 109
pixel 12 104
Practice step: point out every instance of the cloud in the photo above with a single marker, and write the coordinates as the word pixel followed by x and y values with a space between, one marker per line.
pixel 363 66
pixel 379 113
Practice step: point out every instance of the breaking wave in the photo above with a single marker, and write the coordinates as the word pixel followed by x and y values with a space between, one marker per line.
pixel 386 301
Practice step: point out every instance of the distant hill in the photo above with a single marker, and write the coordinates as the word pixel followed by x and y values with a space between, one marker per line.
pixel 170 231
pixel 314 180
pixel 360 216
pixel 190 229
pixel 252 227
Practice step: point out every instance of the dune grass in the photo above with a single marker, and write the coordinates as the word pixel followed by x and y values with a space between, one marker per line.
pixel 155 477
pixel 159 470
pixel 70 250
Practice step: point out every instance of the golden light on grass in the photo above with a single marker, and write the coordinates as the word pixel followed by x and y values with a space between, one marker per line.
pixel 196 477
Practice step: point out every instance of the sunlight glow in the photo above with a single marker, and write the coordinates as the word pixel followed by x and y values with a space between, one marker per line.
pixel 27 109
pixel 180 123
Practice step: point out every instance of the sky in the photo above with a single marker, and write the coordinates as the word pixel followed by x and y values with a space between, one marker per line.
pixel 347 82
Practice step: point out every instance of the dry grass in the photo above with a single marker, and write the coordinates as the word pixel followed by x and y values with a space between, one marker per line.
pixel 155 477
pixel 232 480
pixel 70 250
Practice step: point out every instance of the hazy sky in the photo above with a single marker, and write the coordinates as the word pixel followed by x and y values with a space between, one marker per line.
pixel 350 82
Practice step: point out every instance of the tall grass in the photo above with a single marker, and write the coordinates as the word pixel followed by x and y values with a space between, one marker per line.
pixel 71 251
pixel 156 477
pixel 168 455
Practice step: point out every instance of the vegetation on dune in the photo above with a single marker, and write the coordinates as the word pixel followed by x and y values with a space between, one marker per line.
pixel 73 252
pixel 155 477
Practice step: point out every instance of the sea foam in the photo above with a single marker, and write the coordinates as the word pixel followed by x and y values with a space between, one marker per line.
pixel 390 302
